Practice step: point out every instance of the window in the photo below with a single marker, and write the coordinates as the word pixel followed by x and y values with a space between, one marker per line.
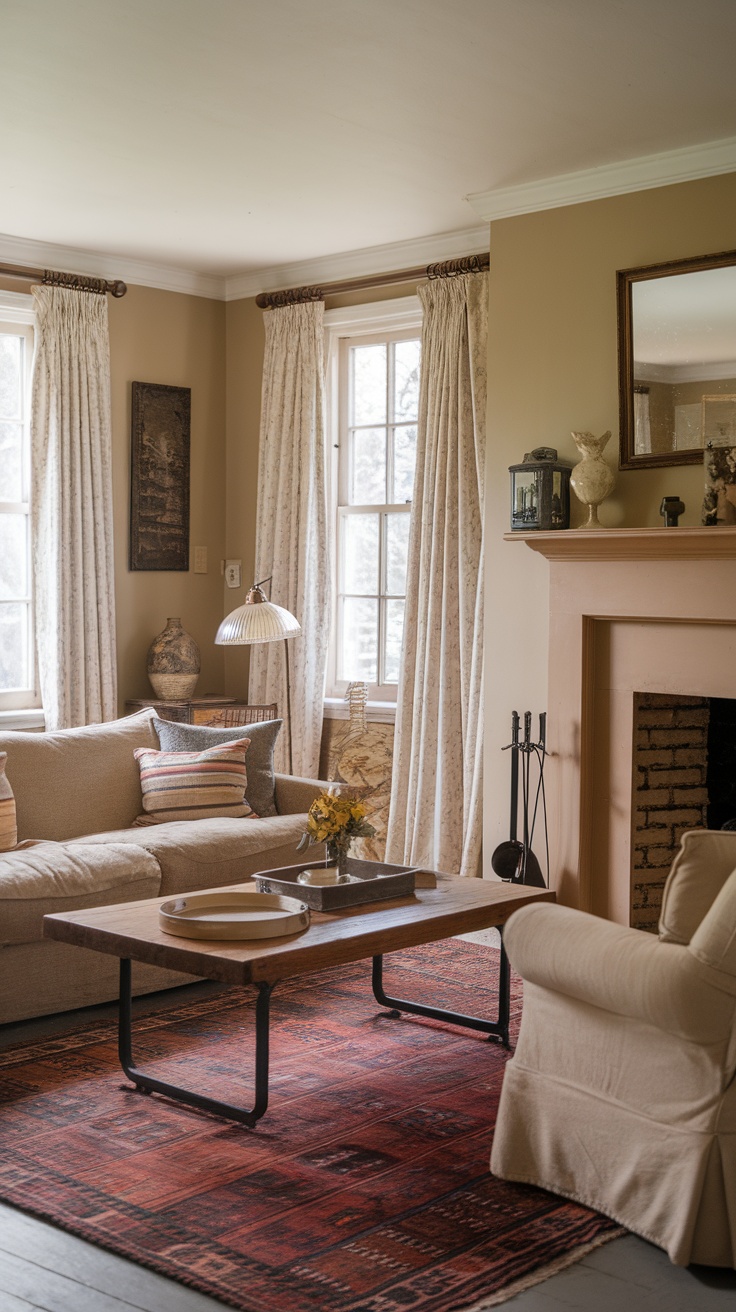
pixel 17 659
pixel 376 399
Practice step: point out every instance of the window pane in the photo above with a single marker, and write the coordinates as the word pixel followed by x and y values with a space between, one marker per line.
pixel 13 557
pixel 13 646
pixel 406 380
pixel 394 631
pixel 11 462
pixel 360 554
pixel 368 384
pixel 358 656
pixel 405 458
pixel 368 481
pixel 10 376
pixel 397 547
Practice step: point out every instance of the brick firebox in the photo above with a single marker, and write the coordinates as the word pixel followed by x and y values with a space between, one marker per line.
pixel 670 782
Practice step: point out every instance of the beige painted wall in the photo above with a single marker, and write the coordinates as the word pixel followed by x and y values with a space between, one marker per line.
pixel 552 367
pixel 165 337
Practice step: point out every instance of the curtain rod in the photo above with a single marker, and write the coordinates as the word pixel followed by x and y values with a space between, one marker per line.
pixel 77 282
pixel 450 269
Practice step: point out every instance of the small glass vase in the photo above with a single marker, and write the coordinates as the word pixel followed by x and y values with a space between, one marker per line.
pixel 337 854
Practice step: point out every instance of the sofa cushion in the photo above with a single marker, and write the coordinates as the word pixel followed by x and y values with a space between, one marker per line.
pixel 259 790
pixel 77 780
pixel 194 785
pixel 38 879
pixel 214 852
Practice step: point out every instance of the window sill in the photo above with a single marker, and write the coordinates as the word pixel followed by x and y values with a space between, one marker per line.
pixel 22 719
pixel 336 708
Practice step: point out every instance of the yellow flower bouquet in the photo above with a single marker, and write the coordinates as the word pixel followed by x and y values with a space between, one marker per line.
pixel 336 818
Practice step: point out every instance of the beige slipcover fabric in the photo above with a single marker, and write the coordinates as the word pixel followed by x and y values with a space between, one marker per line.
pixel 292 544
pixel 622 1091
pixel 43 878
pixel 207 853
pixel 435 817
pixel 71 506
pixel 77 780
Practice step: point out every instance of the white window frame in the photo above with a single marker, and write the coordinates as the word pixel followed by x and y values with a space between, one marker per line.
pixel 21 708
pixel 399 318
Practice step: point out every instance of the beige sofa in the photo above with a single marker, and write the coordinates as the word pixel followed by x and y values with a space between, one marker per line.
pixel 77 795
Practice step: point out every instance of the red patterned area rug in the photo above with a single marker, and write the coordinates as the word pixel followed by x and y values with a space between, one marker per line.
pixel 366 1186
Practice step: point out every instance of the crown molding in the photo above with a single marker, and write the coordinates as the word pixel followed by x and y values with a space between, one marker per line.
pixel 101 264
pixel 714 371
pixel 639 174
pixel 359 264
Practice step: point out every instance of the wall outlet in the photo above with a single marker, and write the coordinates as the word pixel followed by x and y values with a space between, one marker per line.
pixel 200 560
pixel 233 569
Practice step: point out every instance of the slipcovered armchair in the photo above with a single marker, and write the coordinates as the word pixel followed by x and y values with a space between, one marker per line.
pixel 621 1092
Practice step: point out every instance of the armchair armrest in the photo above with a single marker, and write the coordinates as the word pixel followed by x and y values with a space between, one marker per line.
pixel 294 794
pixel 620 970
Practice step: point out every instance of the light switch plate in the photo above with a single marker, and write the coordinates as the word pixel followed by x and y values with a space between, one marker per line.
pixel 200 560
pixel 233 570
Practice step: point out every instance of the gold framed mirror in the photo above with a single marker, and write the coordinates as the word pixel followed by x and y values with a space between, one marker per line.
pixel 676 360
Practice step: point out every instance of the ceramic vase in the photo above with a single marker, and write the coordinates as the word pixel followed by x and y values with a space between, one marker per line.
pixel 8 828
pixel 592 479
pixel 173 663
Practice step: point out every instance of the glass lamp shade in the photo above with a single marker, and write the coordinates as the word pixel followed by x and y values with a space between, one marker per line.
pixel 260 621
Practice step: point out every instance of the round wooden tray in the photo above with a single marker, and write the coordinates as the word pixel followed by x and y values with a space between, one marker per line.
pixel 233 915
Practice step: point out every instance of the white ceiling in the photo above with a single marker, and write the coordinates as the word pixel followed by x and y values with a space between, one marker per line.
pixel 231 136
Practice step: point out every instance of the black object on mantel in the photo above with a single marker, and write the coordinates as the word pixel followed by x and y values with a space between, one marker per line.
pixel 540 491
pixel 515 861
pixel 670 510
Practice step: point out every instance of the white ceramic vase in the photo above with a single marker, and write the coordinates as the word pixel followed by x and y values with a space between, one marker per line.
pixel 592 479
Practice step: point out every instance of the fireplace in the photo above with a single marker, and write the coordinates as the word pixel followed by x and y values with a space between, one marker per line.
pixel 634 613
pixel 684 778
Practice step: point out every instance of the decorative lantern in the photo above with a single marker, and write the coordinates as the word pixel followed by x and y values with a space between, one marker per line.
pixel 540 491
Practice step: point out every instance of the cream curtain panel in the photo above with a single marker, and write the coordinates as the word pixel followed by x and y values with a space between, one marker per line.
pixel 435 818
pixel 74 598
pixel 291 529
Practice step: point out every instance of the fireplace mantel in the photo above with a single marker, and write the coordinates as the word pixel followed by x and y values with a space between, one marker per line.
pixel 630 610
pixel 632 543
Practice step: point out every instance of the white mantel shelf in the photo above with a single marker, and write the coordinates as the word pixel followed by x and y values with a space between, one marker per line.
pixel 610 544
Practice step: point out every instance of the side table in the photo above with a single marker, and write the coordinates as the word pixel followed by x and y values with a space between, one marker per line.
pixel 213 710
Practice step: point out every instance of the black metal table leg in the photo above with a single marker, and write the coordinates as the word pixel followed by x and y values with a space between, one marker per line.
pixel 149 1084
pixel 497 1030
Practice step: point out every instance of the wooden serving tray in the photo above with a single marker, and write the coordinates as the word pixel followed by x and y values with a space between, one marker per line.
pixel 375 881
pixel 233 915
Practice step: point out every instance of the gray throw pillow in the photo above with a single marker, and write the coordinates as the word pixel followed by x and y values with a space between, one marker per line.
pixel 260 789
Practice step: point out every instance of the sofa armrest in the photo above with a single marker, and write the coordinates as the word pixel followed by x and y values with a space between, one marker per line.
pixel 621 970
pixel 294 794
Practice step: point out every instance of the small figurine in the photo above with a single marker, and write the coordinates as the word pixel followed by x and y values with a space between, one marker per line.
pixel 670 510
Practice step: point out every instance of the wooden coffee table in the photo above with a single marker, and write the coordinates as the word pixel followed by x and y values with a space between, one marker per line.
pixel 131 931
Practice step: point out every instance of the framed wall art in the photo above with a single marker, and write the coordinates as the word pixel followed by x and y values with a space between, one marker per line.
pixel 159 481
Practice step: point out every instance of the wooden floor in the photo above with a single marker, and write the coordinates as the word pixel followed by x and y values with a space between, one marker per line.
pixel 42 1267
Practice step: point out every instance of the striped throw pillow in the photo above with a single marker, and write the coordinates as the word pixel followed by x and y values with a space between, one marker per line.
pixel 194 785
pixel 8 829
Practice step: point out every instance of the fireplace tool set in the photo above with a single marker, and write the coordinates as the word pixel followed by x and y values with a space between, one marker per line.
pixel 514 860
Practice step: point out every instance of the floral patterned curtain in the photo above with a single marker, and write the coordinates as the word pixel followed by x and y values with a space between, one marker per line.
pixel 435 818
pixel 74 593
pixel 291 529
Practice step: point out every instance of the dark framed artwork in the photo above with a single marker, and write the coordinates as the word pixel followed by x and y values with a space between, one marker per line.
pixel 159 479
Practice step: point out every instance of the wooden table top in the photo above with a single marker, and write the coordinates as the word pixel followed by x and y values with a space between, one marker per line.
pixel 456 906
